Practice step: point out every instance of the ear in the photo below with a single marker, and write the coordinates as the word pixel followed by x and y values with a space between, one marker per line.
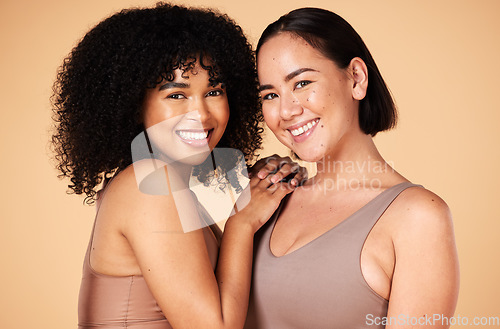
pixel 359 73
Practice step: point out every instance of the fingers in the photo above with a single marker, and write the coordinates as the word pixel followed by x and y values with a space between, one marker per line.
pixel 286 170
pixel 280 168
pixel 279 190
pixel 257 167
pixel 265 198
pixel 267 184
pixel 300 177
pixel 264 183
pixel 274 164
pixel 268 174
pixel 255 182
pixel 269 165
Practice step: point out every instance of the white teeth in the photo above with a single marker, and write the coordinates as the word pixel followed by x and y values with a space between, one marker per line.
pixel 304 128
pixel 192 135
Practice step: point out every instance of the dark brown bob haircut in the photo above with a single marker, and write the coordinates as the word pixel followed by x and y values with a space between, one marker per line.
pixel 336 39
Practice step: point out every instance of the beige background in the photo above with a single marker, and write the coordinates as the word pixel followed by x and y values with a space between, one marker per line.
pixel 440 59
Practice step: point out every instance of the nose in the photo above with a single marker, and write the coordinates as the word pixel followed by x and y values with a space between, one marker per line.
pixel 199 110
pixel 289 106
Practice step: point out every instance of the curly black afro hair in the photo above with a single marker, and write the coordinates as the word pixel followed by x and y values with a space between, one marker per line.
pixel 101 86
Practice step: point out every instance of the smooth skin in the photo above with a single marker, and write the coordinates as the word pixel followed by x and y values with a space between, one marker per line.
pixel 141 234
pixel 409 258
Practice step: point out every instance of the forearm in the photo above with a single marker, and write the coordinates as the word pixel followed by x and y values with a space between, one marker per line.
pixel 234 270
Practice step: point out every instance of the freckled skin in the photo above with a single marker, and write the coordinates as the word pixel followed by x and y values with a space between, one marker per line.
pixel 315 93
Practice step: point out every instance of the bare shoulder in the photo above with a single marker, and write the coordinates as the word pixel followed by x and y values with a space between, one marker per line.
pixel 420 214
pixel 132 183
pixel 132 206
pixel 124 190
pixel 418 201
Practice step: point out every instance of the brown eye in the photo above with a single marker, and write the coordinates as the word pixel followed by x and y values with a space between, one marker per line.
pixel 302 84
pixel 176 96
pixel 269 96
pixel 216 92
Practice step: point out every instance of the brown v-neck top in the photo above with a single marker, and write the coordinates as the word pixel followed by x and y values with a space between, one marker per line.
pixel 319 285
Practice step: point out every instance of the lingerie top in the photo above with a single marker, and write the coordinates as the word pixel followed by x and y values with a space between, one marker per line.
pixel 110 302
pixel 319 285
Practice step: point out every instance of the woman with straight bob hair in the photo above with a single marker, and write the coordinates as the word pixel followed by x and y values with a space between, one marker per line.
pixel 358 245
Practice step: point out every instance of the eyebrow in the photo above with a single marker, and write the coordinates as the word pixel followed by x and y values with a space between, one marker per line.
pixel 264 87
pixel 292 75
pixel 170 85
pixel 289 77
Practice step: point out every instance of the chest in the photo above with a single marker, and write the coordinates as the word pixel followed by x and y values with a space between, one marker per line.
pixel 305 219
pixel 317 285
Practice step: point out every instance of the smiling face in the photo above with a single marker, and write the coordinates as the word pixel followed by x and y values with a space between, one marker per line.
pixel 309 103
pixel 185 118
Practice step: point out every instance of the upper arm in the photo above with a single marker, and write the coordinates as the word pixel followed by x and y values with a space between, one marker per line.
pixel 175 265
pixel 426 275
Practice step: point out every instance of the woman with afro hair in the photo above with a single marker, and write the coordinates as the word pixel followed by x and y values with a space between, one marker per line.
pixel 185 80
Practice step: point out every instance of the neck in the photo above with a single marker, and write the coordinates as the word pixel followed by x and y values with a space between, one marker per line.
pixel 179 174
pixel 355 163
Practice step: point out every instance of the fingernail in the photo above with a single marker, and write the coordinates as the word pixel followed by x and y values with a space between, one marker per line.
pixel 275 178
pixel 294 182
pixel 261 175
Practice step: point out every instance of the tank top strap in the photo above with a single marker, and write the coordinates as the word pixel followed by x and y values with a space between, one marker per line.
pixel 264 233
pixel 98 203
pixel 368 215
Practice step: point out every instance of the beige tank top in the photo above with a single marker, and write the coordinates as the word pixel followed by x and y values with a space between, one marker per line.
pixel 110 302
pixel 319 285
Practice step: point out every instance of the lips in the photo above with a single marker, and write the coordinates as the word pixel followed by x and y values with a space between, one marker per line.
pixel 195 137
pixel 301 131
pixel 303 128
